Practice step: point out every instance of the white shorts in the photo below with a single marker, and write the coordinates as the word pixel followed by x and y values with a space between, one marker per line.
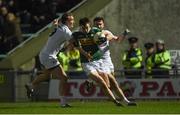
pixel 93 66
pixel 107 65
pixel 105 69
pixel 48 61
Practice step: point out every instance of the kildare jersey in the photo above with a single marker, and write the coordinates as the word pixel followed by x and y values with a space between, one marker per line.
pixel 56 41
pixel 104 46
pixel 86 42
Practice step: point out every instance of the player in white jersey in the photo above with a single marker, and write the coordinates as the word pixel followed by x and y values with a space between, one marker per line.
pixel 108 66
pixel 48 58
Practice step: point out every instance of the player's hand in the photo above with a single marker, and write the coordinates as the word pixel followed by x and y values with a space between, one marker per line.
pixel 118 38
pixel 88 56
pixel 55 22
pixel 126 32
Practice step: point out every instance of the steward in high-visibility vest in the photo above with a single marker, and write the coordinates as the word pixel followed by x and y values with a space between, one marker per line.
pixel 132 58
pixel 162 60
pixel 64 60
pixel 149 60
pixel 74 59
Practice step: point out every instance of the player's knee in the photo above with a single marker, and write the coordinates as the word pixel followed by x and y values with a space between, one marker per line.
pixel 102 83
pixel 63 77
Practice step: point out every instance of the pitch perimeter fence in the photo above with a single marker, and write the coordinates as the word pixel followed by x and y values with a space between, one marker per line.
pixel 12 85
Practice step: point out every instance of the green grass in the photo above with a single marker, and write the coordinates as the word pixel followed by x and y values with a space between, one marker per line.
pixel 101 107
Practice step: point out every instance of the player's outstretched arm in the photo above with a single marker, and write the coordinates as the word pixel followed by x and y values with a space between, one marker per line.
pixel 121 37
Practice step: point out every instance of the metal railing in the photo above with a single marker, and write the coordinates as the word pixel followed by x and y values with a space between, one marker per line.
pixel 143 73
pixel 13 81
pixel 123 73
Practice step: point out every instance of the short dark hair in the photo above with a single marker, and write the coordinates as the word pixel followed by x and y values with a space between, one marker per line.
pixel 84 21
pixel 98 19
pixel 64 17
pixel 132 39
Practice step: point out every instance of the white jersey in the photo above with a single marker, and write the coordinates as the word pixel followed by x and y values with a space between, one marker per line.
pixel 105 45
pixel 106 56
pixel 56 41
pixel 48 55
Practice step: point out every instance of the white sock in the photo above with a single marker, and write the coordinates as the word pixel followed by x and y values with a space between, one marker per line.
pixel 126 100
pixel 63 100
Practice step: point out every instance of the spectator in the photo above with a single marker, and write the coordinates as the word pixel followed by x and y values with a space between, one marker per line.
pixel 12 32
pixel 33 13
pixel 53 8
pixel 1 43
pixel 64 60
pixel 132 59
pixel 149 60
pixel 74 59
pixel 1 24
pixel 24 8
pixel 162 60
pixel 41 14
pixel 1 3
pixel 70 59
pixel 3 14
pixel 12 6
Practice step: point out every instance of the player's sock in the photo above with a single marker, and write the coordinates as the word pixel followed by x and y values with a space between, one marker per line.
pixel 126 100
pixel 30 90
pixel 63 100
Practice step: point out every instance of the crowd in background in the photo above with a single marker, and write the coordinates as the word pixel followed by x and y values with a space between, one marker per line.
pixel 36 13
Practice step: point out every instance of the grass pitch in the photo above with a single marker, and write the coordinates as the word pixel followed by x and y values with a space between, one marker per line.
pixel 101 107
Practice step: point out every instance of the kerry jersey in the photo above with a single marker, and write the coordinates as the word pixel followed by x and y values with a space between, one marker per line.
pixel 86 42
